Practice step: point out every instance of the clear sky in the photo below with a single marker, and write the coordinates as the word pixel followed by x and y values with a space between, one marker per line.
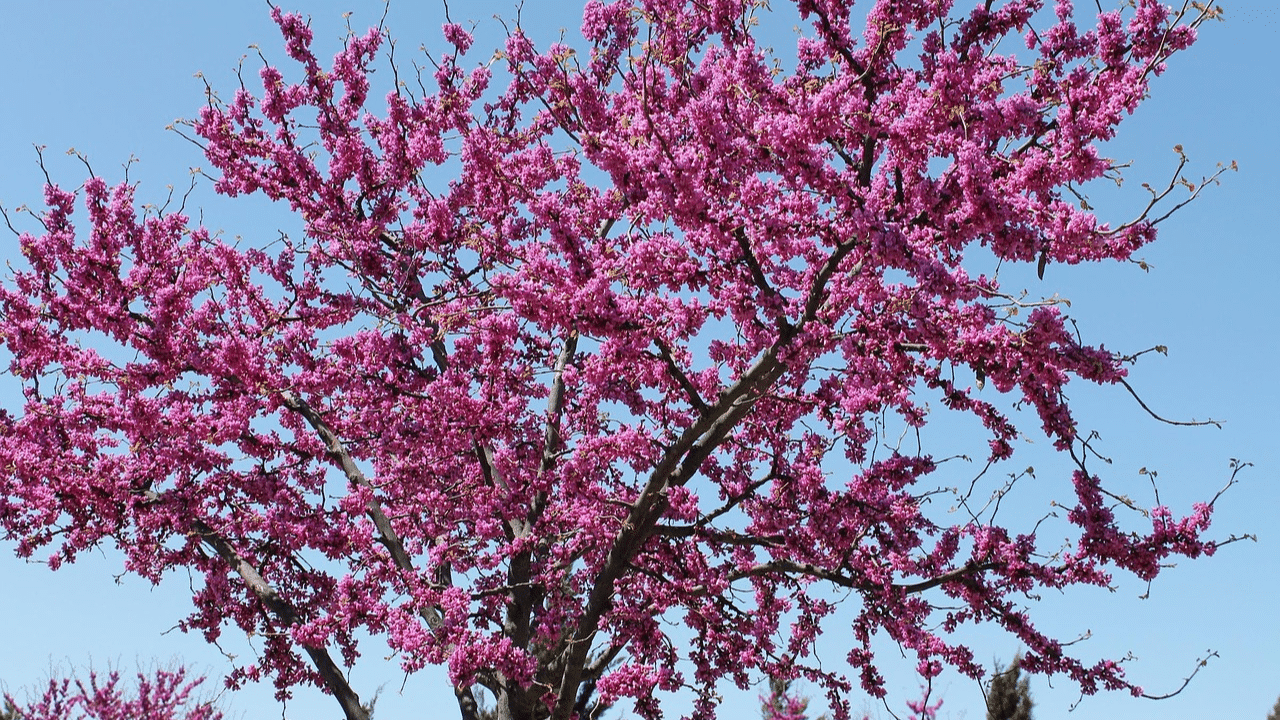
pixel 106 78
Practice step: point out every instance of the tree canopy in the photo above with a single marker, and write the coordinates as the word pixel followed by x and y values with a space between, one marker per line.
pixel 576 341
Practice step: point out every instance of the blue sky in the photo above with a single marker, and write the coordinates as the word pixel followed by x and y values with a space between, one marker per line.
pixel 106 79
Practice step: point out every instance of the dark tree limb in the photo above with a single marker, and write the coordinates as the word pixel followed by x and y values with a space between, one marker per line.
pixel 328 670
pixel 338 452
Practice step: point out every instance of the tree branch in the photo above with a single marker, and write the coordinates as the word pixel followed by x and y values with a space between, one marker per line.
pixel 329 671
pixel 814 571
pixel 753 264
pixel 680 377
pixel 467 704
pixel 338 452
pixel 1192 423
pixel 960 573
pixel 677 466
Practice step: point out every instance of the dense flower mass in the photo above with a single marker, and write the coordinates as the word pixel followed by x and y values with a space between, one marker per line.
pixel 613 344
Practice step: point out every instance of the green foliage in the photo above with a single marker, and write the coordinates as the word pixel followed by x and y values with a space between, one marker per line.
pixel 783 704
pixel 1009 695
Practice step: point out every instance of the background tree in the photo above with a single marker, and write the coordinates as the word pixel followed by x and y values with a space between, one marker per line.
pixel 642 357
pixel 1009 694
pixel 1275 712
pixel 782 703
pixel 161 695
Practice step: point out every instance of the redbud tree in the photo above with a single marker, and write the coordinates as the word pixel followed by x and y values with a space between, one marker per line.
pixel 576 345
